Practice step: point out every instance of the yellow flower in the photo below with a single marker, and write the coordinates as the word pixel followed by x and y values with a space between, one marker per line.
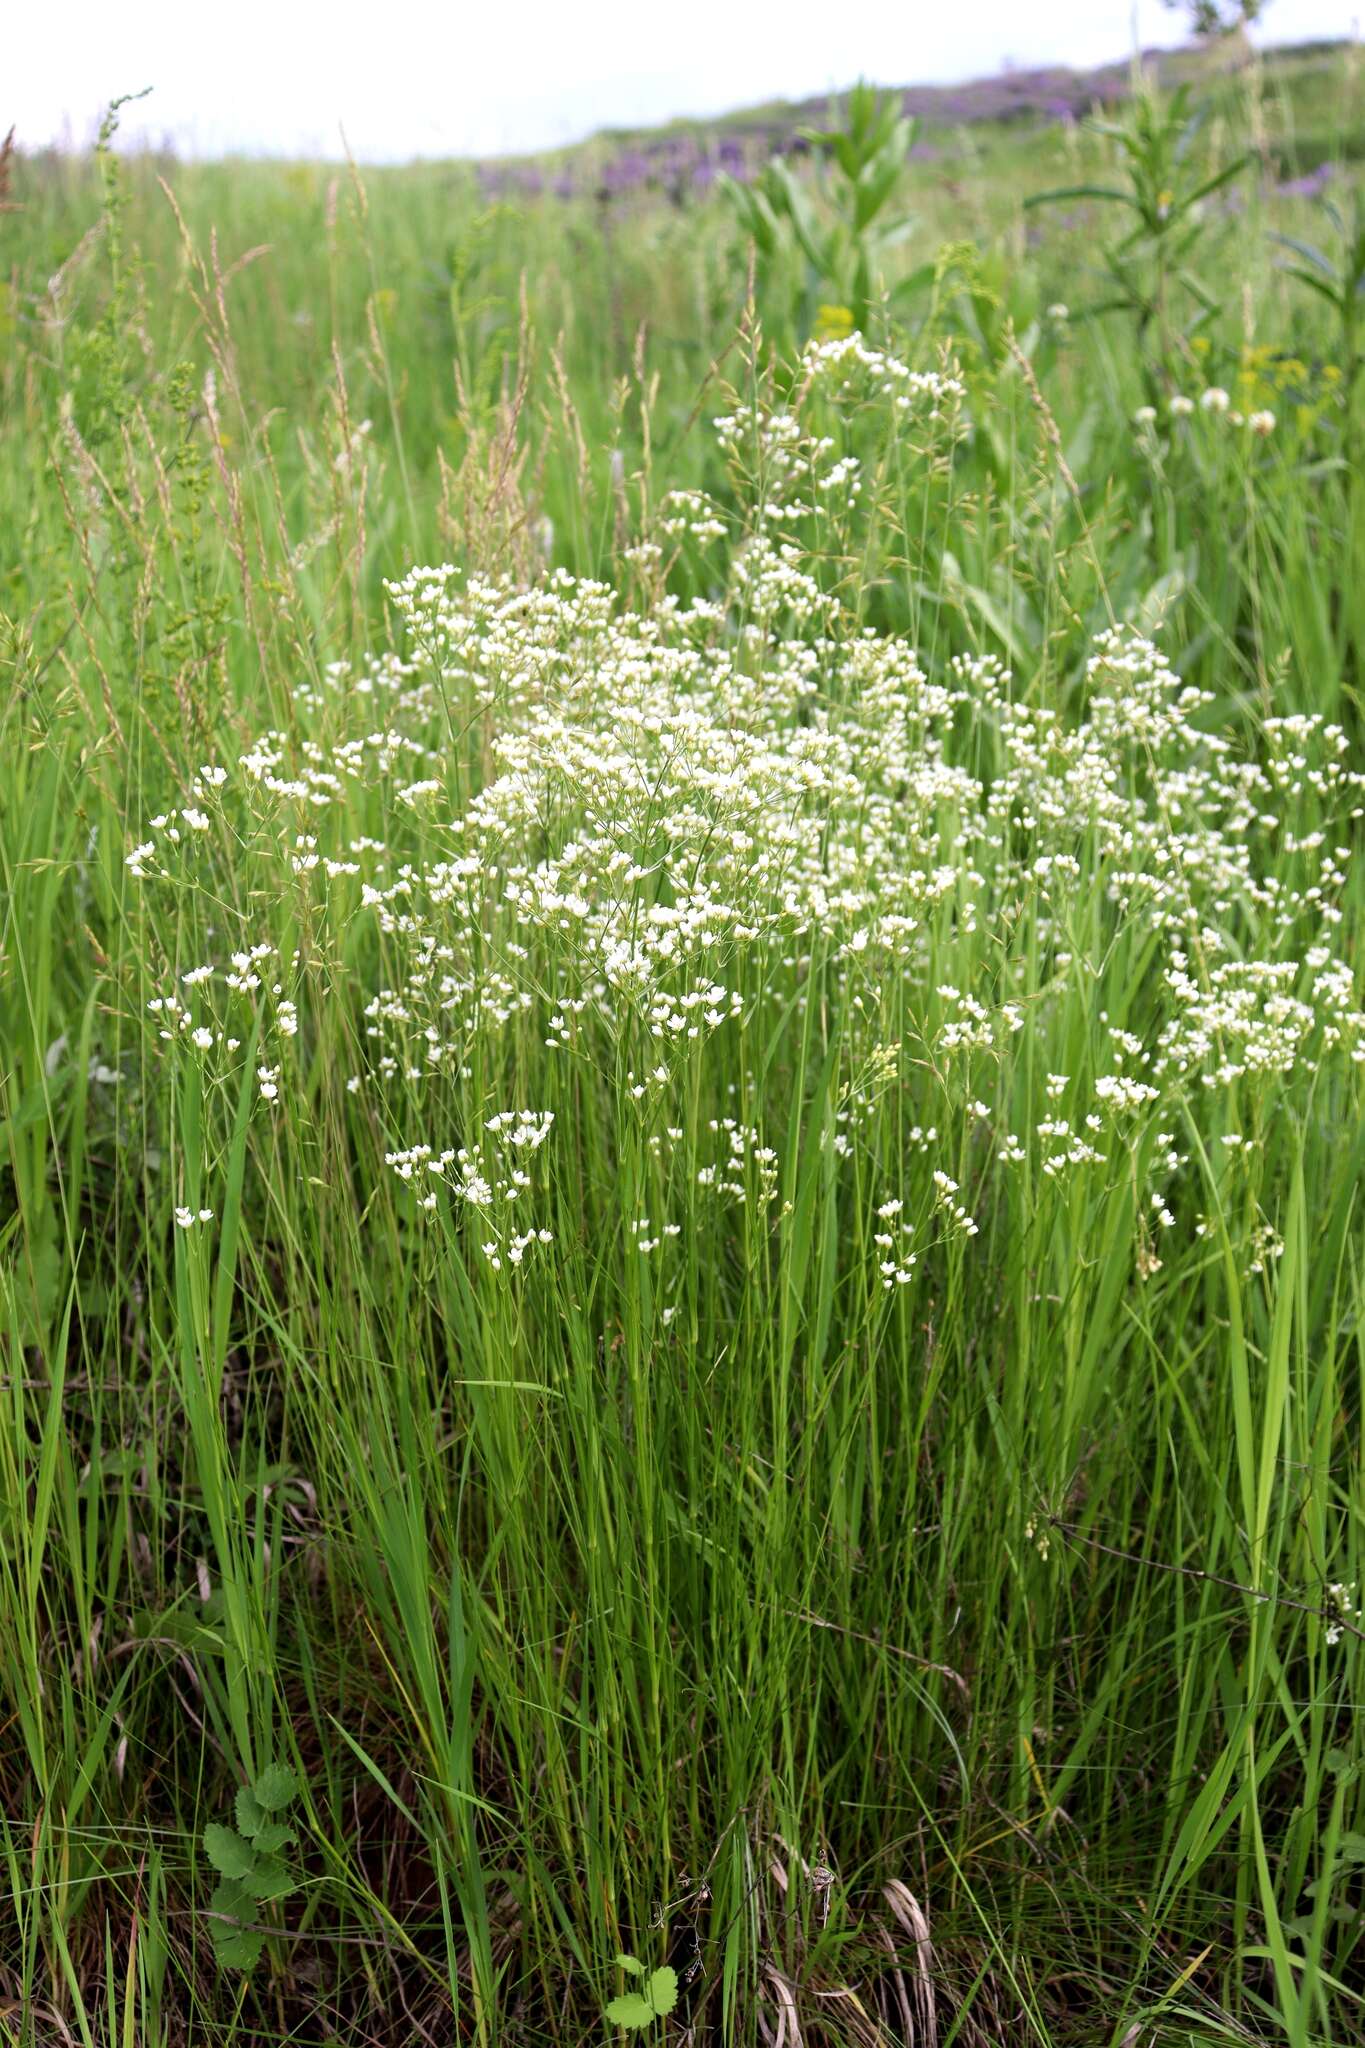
pixel 833 322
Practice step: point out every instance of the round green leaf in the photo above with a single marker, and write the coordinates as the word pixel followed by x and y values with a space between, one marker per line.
pixel 631 2011
pixel 238 1948
pixel 275 1787
pixel 269 1879
pixel 230 1901
pixel 662 1990
pixel 274 1835
pixel 249 1812
pixel 227 1851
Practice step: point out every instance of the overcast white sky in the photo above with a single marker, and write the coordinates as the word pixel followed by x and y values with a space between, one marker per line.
pixel 473 77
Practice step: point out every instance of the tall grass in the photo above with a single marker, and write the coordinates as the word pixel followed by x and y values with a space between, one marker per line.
pixel 846 1483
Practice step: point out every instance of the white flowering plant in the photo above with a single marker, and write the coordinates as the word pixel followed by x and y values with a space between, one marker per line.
pixel 682 1132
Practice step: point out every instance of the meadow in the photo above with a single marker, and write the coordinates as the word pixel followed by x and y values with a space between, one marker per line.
pixel 681 1279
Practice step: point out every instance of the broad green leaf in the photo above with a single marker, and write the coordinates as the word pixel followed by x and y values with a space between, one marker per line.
pixel 631 2011
pixel 662 1990
pixel 238 1948
pixel 631 1964
pixel 249 1812
pixel 269 1879
pixel 275 1787
pixel 232 1901
pixel 227 1852
pixel 274 1835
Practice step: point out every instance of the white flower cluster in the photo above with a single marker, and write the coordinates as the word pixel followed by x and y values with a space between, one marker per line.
pixel 1344 1605
pixel 1213 401
pixel 847 366
pixel 635 843
pixel 487 1176
pixel 747 1168
pixel 691 512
